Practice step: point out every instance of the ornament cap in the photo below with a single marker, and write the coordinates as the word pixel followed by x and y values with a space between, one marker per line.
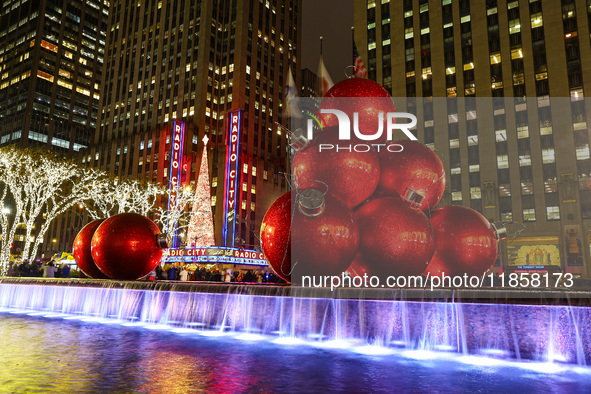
pixel 500 230
pixel 413 197
pixel 299 139
pixel 311 202
pixel 164 240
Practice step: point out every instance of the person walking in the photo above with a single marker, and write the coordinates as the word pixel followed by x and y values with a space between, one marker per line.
pixel 184 274
pixel 49 270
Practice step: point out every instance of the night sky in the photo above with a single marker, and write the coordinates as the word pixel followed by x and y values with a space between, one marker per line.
pixel 331 19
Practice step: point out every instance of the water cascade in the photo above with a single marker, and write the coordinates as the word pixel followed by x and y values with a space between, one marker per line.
pixel 545 333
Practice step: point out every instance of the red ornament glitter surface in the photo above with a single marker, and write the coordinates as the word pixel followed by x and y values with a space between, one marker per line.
pixel 124 246
pixel 465 241
pixel 275 236
pixel 351 176
pixel 324 244
pixel 414 170
pixel 363 96
pixel 81 250
pixel 395 239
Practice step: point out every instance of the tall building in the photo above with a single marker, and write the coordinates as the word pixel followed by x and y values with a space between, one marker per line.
pixel 195 61
pixel 309 83
pixel 51 57
pixel 498 87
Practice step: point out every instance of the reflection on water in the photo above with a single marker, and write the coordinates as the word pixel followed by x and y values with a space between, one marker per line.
pixel 61 355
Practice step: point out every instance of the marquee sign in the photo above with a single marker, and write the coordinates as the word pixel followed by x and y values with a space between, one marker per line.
pixel 216 255
pixel 174 179
pixel 233 129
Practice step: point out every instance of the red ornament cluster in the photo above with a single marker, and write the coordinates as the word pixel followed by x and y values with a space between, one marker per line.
pixel 372 212
pixel 126 246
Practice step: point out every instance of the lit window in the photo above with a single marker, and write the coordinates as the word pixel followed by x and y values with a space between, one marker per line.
pixel 582 152
pixel 502 161
pixel 214 181
pixel 244 186
pixel 527 187
pixel 506 217
pixel 536 20
pixel 501 135
pixel 456 196
pixel 475 193
pixel 552 213
pixel 548 156
pixel 408 33
pixel 529 215
pixel 64 84
pixel 514 26
pixel 524 160
pixel 45 76
pixel 523 131
pixel 516 53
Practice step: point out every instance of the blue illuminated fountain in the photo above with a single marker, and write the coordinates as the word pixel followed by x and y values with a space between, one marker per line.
pixel 544 333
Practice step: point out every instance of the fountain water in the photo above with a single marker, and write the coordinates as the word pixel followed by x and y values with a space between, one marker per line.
pixel 546 333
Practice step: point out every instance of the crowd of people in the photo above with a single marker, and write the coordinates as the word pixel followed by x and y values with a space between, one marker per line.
pixel 50 269
pixel 175 271
pixel 169 271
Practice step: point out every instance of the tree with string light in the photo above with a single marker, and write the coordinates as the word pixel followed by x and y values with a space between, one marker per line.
pixel 111 196
pixel 201 228
pixel 35 187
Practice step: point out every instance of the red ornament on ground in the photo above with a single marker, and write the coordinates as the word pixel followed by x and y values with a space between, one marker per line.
pixel 362 96
pixel 416 174
pixel 127 246
pixel 324 235
pixel 276 238
pixel 465 242
pixel 395 239
pixel 352 176
pixel 81 250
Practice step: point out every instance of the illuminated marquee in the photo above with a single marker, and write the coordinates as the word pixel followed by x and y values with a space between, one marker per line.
pixel 178 136
pixel 216 255
pixel 231 183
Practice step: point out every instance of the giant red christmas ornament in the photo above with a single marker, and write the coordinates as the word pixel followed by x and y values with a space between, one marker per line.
pixel 414 173
pixel 81 251
pixel 395 239
pixel 127 246
pixel 324 235
pixel 275 236
pixel 351 175
pixel 364 97
pixel 465 242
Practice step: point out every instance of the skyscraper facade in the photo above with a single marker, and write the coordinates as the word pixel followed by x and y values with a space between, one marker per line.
pixel 51 58
pixel 195 61
pixel 499 88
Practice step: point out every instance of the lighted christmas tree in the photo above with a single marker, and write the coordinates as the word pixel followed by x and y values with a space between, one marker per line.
pixel 201 231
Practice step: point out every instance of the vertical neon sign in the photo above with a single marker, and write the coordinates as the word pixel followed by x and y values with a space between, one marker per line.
pixel 231 182
pixel 174 179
